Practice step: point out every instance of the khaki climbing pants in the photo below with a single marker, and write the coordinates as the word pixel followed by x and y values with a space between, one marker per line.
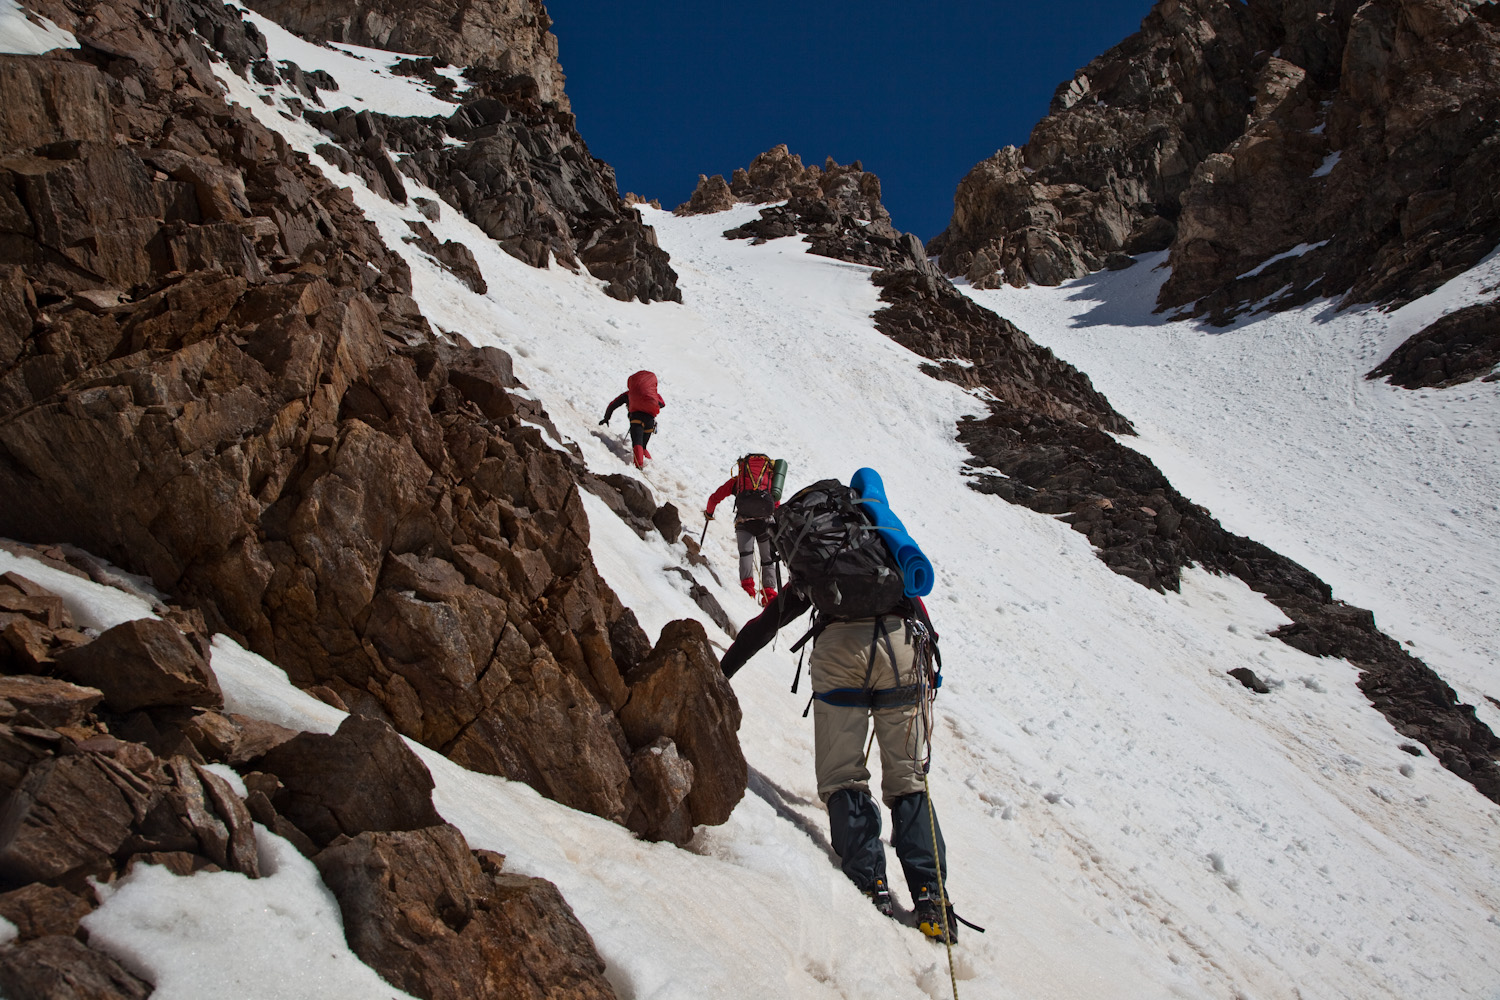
pixel 841 660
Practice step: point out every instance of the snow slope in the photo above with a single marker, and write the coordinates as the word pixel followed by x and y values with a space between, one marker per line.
pixel 1392 496
pixel 1125 819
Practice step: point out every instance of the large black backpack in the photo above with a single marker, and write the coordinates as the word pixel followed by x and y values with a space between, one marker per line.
pixel 836 556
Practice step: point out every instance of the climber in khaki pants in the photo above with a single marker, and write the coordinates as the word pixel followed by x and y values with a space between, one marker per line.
pixel 841 660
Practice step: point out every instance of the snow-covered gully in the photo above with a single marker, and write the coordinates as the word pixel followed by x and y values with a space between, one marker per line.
pixel 1126 819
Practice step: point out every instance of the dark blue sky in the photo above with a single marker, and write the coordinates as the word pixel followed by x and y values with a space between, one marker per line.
pixel 919 92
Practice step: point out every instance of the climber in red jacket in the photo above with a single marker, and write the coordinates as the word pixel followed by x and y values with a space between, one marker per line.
pixel 756 489
pixel 642 403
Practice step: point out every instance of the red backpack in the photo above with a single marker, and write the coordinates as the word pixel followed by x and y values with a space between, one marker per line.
pixel 753 487
pixel 641 388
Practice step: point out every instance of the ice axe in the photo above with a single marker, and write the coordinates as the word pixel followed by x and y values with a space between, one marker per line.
pixel 706 519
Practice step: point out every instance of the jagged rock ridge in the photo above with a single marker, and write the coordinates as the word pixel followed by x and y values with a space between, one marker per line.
pixel 511 37
pixel 516 166
pixel 1362 135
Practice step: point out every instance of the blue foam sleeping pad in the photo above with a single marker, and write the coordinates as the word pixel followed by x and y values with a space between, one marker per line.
pixel 916 568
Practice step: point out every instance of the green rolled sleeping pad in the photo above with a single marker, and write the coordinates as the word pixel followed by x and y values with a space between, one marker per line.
pixel 778 478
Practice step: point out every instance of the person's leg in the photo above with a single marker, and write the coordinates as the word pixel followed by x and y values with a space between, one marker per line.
pixel 903 746
pixel 767 558
pixel 854 829
pixel 637 439
pixel 918 839
pixel 648 427
pixel 745 539
pixel 839 747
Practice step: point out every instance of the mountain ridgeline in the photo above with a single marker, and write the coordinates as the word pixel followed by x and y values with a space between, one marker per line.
pixel 1279 150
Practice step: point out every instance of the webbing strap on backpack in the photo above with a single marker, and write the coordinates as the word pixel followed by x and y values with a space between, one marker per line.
pixel 767 471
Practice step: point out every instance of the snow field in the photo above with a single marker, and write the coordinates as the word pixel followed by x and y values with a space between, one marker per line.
pixel 1390 495
pixel 28 34
pixel 1126 819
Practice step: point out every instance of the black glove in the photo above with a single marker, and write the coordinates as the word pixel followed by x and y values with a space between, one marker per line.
pixel 604 421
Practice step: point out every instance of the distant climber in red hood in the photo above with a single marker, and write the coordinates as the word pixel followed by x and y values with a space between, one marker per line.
pixel 643 403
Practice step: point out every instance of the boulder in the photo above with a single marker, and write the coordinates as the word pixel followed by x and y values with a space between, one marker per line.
pixel 64 968
pixel 46 701
pixel 360 777
pixel 39 910
pixel 638 497
pixel 144 663
pixel 23 596
pixel 67 814
pixel 668 521
pixel 678 692
pixel 424 913
pixel 664 778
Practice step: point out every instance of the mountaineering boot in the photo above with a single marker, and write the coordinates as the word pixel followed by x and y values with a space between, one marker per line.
pixel 881 897
pixel 749 584
pixel 931 920
pixel 767 595
pixel 640 457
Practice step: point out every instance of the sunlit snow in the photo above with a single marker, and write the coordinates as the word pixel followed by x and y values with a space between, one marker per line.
pixel 28 34
pixel 1390 495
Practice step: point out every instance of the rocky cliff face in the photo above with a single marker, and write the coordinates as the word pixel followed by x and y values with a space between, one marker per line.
pixel 511 37
pixel 1350 145
pixel 516 166
pixel 212 372
pixel 104 743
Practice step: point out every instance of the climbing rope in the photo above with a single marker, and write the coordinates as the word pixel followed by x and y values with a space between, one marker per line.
pixel 942 887
pixel 922 758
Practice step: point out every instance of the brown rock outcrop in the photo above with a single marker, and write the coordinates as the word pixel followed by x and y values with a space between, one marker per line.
pixel 39 910
pixel 679 694
pixel 511 37
pixel 836 207
pixel 361 777
pixel 1459 347
pixel 431 919
pixel 516 166
pixel 64 967
pixel 83 805
pixel 143 663
pixel 1350 145
pixel 45 701
pixel 245 404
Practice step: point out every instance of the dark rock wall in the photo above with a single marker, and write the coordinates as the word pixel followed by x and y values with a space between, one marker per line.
pixel 94 781
pixel 1213 132
pixel 214 374
pixel 521 172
